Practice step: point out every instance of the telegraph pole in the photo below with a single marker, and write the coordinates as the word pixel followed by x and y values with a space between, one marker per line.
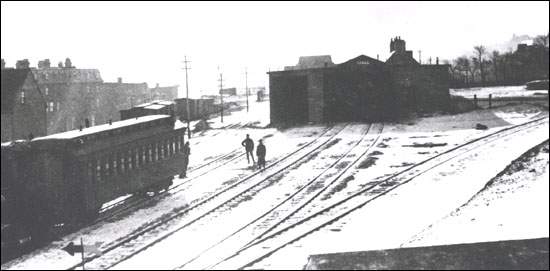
pixel 187 95
pixel 221 93
pixel 246 85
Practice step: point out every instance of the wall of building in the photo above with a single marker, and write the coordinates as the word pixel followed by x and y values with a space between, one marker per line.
pixel 72 95
pixel 27 117
pixel 114 97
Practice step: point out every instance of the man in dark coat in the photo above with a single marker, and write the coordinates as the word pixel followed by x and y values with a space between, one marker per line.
pixel 186 153
pixel 260 152
pixel 248 145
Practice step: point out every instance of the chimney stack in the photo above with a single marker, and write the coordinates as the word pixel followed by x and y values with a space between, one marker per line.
pixel 3 64
pixel 22 64
pixel 44 63
pixel 68 63
pixel 119 80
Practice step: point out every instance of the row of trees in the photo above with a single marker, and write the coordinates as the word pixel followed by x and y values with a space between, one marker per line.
pixel 483 68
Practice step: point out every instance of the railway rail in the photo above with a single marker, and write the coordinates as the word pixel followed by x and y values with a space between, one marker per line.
pixel 264 247
pixel 212 202
pixel 295 202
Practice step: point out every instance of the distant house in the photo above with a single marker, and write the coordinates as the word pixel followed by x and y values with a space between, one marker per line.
pixel 23 105
pixel 164 93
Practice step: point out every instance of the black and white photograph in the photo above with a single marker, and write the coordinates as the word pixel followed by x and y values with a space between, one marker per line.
pixel 338 135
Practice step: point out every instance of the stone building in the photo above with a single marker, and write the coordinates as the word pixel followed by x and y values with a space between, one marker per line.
pixel 72 95
pixel 360 89
pixel 23 105
pixel 116 96
pixel 167 93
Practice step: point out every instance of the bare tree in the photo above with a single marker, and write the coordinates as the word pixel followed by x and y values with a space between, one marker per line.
pixel 462 64
pixel 541 40
pixel 494 58
pixel 480 50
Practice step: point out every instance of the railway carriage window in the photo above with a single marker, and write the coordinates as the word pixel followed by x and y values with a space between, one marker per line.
pixel 111 165
pixel 129 160
pixel 115 164
pixel 106 168
pixel 149 153
pixel 138 157
pixel 144 153
pixel 159 150
pixel 122 163
pixel 98 170
pixel 155 152
pixel 173 145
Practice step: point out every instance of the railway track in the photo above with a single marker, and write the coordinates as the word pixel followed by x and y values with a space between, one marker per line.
pixel 133 202
pixel 205 206
pixel 283 210
pixel 288 233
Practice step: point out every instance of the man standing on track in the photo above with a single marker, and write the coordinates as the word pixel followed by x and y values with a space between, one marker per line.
pixel 260 153
pixel 186 153
pixel 248 145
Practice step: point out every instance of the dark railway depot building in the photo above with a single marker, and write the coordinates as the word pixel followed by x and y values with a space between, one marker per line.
pixel 360 89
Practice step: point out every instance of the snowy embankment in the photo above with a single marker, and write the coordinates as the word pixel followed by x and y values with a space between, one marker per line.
pixel 513 205
pixel 497 92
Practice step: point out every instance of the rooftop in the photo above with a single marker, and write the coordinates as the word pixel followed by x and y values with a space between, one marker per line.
pixel 101 128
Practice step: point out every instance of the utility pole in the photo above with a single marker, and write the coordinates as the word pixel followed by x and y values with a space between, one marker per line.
pixel 187 96
pixel 221 93
pixel 420 56
pixel 246 85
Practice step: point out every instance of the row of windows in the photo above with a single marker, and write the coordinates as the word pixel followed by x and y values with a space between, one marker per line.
pixel 121 162
pixel 51 106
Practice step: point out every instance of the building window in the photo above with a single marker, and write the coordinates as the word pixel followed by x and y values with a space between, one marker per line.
pixel 22 97
pixel 51 107
pixel 46 90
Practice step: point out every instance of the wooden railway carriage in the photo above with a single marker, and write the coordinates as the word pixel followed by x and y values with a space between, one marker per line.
pixel 77 171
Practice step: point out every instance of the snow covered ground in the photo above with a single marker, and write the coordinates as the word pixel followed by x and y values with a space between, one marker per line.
pixel 513 205
pixel 508 91
pixel 347 163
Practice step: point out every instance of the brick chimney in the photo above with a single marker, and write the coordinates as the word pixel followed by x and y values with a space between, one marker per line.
pixel 397 45
pixel 22 64
pixel 44 63
pixel 119 80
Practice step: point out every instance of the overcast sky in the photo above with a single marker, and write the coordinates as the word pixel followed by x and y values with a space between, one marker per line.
pixel 147 41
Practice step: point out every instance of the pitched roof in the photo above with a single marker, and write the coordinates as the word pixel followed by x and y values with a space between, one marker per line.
pixel 362 60
pixel 404 59
pixel 12 82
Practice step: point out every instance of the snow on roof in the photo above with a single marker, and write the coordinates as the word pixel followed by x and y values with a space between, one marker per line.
pixel 155 106
pixel 102 128
pixel 155 102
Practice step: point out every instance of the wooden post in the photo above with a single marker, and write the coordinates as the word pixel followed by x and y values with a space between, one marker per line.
pixel 490 96
pixel 475 100
pixel 82 245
